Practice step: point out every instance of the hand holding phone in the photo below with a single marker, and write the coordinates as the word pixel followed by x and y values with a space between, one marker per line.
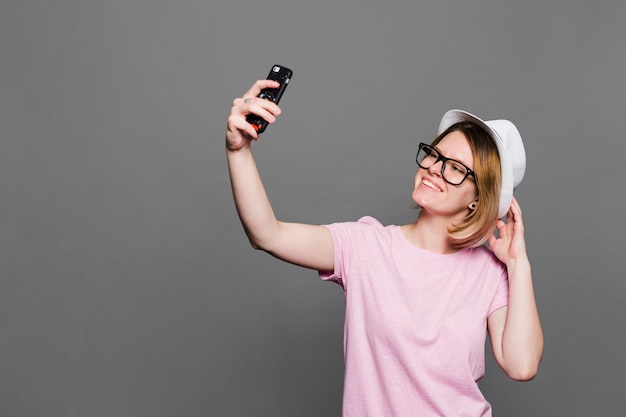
pixel 283 76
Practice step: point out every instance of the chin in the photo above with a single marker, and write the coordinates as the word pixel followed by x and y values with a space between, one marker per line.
pixel 419 198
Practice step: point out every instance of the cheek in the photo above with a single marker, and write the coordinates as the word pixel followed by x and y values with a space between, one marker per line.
pixel 415 195
pixel 419 175
pixel 471 194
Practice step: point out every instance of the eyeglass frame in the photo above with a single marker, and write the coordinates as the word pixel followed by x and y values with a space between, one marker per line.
pixel 443 160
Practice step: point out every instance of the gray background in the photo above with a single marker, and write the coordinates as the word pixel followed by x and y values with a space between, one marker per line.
pixel 127 285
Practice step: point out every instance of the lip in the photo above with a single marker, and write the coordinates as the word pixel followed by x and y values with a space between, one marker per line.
pixel 431 184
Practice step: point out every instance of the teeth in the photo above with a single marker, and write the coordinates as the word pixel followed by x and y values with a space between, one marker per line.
pixel 431 185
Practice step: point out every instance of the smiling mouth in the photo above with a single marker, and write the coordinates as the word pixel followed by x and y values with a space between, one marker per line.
pixel 431 185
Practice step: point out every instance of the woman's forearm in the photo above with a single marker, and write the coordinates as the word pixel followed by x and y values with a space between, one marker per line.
pixel 522 337
pixel 251 201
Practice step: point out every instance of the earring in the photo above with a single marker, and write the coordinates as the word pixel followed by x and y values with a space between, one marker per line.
pixel 473 206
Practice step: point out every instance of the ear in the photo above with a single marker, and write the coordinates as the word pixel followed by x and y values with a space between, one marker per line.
pixel 473 205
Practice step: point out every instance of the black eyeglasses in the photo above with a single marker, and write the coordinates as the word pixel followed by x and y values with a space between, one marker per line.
pixel 453 172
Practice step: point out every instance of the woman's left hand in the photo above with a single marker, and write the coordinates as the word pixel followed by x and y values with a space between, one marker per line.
pixel 510 244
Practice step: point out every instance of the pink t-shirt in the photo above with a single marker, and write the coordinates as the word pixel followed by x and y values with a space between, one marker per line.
pixel 415 322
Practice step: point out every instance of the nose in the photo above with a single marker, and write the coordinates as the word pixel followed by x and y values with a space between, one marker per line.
pixel 436 168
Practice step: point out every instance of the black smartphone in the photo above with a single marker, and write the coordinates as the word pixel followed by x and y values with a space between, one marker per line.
pixel 283 76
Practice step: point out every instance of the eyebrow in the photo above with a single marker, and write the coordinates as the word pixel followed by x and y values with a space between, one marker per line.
pixel 453 159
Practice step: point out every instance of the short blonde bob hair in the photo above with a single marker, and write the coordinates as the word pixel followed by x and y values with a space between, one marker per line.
pixel 480 222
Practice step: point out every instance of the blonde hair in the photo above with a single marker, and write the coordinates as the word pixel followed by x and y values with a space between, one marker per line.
pixel 480 222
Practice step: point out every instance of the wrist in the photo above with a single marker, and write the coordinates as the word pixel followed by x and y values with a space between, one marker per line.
pixel 520 263
pixel 236 150
pixel 237 157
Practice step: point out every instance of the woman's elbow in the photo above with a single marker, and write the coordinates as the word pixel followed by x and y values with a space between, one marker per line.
pixel 523 376
pixel 524 371
pixel 255 241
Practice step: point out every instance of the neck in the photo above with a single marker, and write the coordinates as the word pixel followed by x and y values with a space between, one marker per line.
pixel 429 233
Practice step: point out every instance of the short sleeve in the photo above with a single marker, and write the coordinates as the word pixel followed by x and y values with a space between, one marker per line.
pixel 501 299
pixel 347 237
pixel 334 275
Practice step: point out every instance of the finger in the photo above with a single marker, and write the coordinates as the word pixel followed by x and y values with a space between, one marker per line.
pixel 264 109
pixel 516 215
pixel 239 105
pixel 246 130
pixel 238 123
pixel 258 106
pixel 518 212
pixel 515 206
pixel 503 229
pixel 510 215
pixel 259 85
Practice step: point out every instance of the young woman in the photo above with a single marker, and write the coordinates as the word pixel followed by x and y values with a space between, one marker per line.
pixel 419 297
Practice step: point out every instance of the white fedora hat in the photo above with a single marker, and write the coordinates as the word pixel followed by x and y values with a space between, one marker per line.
pixel 510 148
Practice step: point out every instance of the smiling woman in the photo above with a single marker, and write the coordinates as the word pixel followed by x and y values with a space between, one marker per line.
pixel 476 224
pixel 455 200
pixel 404 352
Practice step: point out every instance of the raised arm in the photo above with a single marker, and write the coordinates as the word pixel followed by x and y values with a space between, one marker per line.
pixel 306 245
pixel 515 331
